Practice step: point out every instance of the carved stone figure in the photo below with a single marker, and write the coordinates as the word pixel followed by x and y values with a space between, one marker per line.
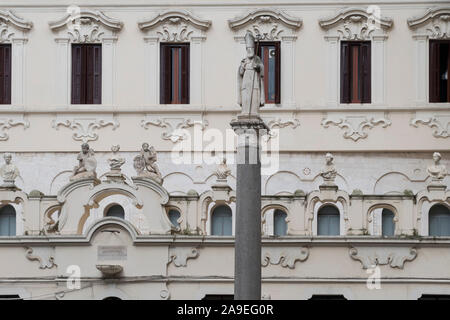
pixel 222 171
pixel 145 164
pixel 437 172
pixel 250 80
pixel 86 164
pixel 115 162
pixel 329 172
pixel 9 172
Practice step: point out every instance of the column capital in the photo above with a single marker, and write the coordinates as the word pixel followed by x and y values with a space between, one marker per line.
pixel 248 122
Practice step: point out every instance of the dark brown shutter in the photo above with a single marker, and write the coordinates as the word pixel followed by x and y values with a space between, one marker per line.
pixel 5 74
pixel 434 71
pixel 345 72
pixel 76 74
pixel 185 74
pixel 277 72
pixel 97 74
pixel 165 74
pixel 364 72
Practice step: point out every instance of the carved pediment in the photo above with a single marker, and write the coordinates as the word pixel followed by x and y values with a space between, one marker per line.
pixel 10 23
pixel 175 26
pixel 87 26
pixel 435 22
pixel 356 23
pixel 267 24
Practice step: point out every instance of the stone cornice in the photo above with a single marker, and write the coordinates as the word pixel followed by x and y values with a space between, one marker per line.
pixel 173 16
pixel 9 17
pixel 429 15
pixel 349 13
pixel 263 13
pixel 95 15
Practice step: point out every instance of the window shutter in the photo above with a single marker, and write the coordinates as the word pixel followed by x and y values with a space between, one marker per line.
pixel 165 74
pixel 364 73
pixel 5 74
pixel 434 71
pixel 87 63
pixel 76 74
pixel 97 74
pixel 277 73
pixel 185 74
pixel 345 72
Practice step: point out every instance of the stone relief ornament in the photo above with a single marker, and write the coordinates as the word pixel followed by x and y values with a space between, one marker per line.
pixel 86 164
pixel 356 23
pixel 355 125
pixel 175 26
pixel 9 24
pixel 145 164
pixel 439 121
pixel 438 171
pixel 279 123
pixel 328 173
pixel 9 172
pixel 175 126
pixel 370 257
pixel 435 22
pixel 285 257
pixel 180 256
pixel 250 80
pixel 45 257
pixel 8 121
pixel 84 128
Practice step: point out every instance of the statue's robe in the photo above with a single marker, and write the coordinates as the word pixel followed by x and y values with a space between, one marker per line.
pixel 251 86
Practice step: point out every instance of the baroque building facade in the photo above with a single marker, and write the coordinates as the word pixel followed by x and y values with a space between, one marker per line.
pixel 355 202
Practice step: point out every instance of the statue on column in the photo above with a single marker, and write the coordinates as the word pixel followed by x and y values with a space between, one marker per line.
pixel 251 80
pixel 145 164
pixel 438 171
pixel 9 172
pixel 86 164
pixel 329 172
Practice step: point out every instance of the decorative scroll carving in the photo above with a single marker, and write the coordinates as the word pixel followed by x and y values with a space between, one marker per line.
pixel 179 256
pixel 439 122
pixel 356 23
pixel 9 23
pixel 85 127
pixel 266 24
pixel 373 256
pixel 279 123
pixel 435 22
pixel 285 257
pixel 87 26
pixel 175 25
pixel 355 125
pixel 45 257
pixel 8 121
pixel 175 125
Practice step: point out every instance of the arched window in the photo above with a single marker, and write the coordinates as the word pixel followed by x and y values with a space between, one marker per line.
pixel 328 220
pixel 439 221
pixel 221 221
pixel 174 215
pixel 116 211
pixel 387 223
pixel 7 221
pixel 279 223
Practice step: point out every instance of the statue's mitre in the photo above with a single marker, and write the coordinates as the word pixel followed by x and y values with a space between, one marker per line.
pixel 249 40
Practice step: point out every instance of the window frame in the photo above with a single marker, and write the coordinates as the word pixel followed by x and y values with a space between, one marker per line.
pixel 277 45
pixel 165 75
pixel 434 87
pixel 363 73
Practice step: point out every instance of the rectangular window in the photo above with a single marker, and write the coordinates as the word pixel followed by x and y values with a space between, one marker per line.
pixel 5 74
pixel 439 85
pixel 269 52
pixel 86 74
pixel 355 72
pixel 174 75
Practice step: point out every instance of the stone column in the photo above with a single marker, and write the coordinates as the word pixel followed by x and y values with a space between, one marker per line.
pixel 247 274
